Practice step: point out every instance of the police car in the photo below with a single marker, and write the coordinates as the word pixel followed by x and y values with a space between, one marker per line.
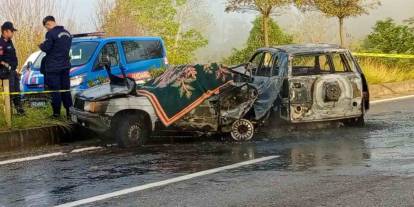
pixel 134 56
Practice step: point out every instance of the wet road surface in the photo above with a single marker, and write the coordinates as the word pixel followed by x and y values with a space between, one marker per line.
pixel 371 166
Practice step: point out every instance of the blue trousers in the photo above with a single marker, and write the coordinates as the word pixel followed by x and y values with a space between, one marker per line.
pixel 59 81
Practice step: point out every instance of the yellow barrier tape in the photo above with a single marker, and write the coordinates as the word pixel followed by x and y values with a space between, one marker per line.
pixel 36 92
pixel 401 56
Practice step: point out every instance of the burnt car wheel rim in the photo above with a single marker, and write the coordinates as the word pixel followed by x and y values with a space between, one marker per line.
pixel 242 130
pixel 134 133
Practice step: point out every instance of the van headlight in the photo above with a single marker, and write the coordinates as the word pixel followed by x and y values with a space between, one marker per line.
pixel 76 81
pixel 96 107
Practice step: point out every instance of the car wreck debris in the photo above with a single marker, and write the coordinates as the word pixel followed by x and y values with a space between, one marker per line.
pixel 294 83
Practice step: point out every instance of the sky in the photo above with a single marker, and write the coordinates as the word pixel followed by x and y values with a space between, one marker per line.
pixel 232 29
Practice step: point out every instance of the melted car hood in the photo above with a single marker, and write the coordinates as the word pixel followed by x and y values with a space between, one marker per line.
pixel 107 91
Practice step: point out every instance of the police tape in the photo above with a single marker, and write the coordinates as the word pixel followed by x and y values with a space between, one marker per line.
pixel 400 56
pixel 37 92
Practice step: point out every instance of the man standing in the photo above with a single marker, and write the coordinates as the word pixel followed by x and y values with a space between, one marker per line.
pixel 56 64
pixel 9 62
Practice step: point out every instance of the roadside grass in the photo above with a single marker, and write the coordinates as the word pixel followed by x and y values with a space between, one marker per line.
pixel 377 72
pixel 35 117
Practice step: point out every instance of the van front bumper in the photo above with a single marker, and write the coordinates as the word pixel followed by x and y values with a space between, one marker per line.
pixel 94 122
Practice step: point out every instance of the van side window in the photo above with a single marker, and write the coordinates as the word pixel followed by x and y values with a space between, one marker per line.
pixel 142 50
pixel 110 50
pixel 341 63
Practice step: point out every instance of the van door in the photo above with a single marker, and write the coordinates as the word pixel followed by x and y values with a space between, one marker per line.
pixel 140 56
pixel 98 75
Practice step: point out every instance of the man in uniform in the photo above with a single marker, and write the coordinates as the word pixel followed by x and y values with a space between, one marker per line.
pixel 56 64
pixel 9 62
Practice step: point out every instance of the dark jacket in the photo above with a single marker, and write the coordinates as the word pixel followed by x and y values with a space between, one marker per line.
pixel 56 46
pixel 8 53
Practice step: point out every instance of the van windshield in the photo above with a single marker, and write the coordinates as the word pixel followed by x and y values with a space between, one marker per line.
pixel 80 53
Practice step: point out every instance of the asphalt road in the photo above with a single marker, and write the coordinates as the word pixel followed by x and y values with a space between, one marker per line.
pixel 316 166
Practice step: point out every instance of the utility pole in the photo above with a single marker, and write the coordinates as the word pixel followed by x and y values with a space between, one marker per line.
pixel 7 105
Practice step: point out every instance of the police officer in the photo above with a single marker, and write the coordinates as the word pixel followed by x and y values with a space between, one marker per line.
pixel 56 64
pixel 9 62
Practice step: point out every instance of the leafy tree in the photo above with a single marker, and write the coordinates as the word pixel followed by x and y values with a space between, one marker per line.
pixel 144 17
pixel 255 41
pixel 264 7
pixel 341 9
pixel 389 37
pixel 410 22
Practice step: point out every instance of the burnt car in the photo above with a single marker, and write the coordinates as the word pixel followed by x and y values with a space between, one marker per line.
pixel 294 83
pixel 313 82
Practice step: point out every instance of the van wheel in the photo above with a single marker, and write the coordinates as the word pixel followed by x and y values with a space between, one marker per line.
pixel 242 130
pixel 132 131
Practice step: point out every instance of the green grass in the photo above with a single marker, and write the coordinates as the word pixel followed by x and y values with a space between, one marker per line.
pixel 35 117
pixel 377 72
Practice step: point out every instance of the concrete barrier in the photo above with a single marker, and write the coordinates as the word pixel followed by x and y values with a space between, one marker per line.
pixel 35 137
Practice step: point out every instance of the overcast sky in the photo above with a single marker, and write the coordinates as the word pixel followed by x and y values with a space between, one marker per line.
pixel 232 29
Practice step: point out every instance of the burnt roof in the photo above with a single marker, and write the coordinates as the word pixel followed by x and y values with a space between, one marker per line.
pixel 294 49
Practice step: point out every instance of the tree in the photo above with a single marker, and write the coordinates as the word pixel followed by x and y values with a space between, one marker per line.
pixel 341 9
pixel 389 37
pixel 312 27
pixel 27 17
pixel 410 22
pixel 255 41
pixel 265 7
pixel 146 18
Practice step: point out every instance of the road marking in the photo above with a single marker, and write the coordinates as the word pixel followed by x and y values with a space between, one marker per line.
pixel 86 149
pixel 392 99
pixel 6 162
pixel 38 157
pixel 163 183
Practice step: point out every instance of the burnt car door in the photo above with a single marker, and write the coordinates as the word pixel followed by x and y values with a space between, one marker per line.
pixel 268 80
pixel 323 87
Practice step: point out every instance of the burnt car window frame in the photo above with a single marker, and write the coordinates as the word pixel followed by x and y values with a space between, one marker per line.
pixel 344 60
pixel 261 53
pixel 315 55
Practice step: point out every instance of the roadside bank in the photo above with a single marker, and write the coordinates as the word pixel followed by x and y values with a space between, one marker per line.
pixel 391 90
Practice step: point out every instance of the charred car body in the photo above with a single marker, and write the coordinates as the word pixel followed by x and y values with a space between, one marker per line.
pixel 295 83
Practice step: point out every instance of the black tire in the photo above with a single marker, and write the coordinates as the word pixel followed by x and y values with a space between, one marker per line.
pixel 132 130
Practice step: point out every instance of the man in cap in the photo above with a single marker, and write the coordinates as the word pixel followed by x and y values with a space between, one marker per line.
pixel 56 64
pixel 9 63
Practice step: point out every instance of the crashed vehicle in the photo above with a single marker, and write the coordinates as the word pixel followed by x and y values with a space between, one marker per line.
pixel 295 83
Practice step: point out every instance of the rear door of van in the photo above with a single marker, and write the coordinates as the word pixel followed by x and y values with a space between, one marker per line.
pixel 140 56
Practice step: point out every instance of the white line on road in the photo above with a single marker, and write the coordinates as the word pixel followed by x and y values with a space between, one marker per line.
pixel 163 183
pixel 38 157
pixel 86 149
pixel 6 162
pixel 392 99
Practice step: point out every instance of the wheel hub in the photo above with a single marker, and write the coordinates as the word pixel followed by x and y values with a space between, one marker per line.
pixel 242 130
